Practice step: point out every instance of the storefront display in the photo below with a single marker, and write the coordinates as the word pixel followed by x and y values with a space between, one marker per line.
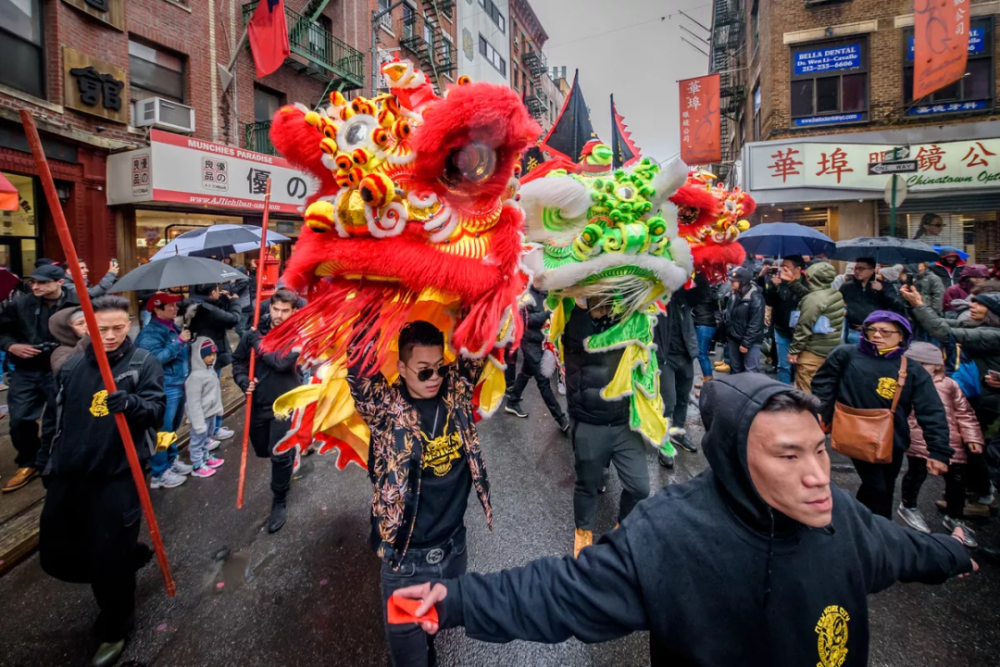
pixel 19 229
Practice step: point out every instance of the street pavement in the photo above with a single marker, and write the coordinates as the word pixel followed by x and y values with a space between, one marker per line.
pixel 309 595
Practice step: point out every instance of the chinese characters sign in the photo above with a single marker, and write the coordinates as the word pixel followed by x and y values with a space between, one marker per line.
pixel 940 166
pixel 94 87
pixel 941 44
pixel 111 12
pixel 830 59
pixel 183 170
pixel 977 42
pixel 701 135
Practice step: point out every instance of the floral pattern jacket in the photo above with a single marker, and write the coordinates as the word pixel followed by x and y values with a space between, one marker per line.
pixel 396 455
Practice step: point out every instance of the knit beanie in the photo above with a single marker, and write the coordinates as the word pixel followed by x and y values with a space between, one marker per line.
pixel 925 353
pixel 991 300
pixel 208 348
pixel 891 273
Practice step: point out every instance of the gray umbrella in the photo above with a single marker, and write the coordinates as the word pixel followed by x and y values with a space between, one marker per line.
pixel 217 240
pixel 177 271
pixel 884 250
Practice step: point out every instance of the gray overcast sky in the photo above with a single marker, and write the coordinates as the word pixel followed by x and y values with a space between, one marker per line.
pixel 640 64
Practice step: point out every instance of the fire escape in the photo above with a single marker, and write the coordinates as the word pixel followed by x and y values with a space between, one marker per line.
pixel 536 65
pixel 728 59
pixel 424 37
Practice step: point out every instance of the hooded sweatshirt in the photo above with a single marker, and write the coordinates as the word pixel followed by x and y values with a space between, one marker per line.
pixel 60 326
pixel 714 574
pixel 821 314
pixel 202 389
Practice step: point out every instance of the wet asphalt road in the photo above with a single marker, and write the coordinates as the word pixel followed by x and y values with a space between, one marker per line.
pixel 310 594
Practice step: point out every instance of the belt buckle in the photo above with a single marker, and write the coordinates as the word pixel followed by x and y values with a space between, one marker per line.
pixel 435 556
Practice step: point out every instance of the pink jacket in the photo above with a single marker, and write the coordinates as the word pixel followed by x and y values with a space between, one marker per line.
pixel 962 421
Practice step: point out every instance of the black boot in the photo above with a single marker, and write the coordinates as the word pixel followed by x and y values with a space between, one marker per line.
pixel 665 461
pixel 563 422
pixel 279 513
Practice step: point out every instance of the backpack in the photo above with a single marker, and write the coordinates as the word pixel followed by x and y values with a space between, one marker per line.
pixel 135 364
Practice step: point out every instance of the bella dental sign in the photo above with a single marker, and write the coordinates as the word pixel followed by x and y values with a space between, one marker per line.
pixel 828 60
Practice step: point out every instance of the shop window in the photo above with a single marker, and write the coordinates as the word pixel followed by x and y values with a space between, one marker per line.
pixel 266 103
pixel 829 83
pixel 493 12
pixel 19 228
pixel 154 72
pixel 974 232
pixel 22 46
pixel 973 92
pixel 487 51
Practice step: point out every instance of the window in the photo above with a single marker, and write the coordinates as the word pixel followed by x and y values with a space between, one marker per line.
pixel 428 33
pixel 754 25
pixel 22 46
pixel 487 51
pixel 493 12
pixel 447 52
pixel 320 32
pixel 829 83
pixel 974 92
pixel 386 20
pixel 409 21
pixel 756 113
pixel 266 103
pixel 154 72
pixel 517 76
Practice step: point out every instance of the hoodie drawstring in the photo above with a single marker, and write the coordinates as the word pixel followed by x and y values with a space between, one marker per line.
pixel 770 545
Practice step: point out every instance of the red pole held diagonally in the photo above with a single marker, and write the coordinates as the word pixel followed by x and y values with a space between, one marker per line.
pixel 253 353
pixel 95 336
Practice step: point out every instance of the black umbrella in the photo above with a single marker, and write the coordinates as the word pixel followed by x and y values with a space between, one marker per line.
pixel 177 271
pixel 217 240
pixel 884 250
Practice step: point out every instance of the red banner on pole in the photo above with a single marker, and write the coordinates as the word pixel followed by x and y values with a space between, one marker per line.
pixel 941 44
pixel 701 127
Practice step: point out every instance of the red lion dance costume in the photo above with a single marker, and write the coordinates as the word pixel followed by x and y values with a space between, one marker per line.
pixel 415 218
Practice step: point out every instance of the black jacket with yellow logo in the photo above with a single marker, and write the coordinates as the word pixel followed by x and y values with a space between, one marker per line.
pixel 87 441
pixel 714 574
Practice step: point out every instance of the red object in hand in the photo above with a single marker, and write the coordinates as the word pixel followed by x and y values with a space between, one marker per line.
pixel 402 610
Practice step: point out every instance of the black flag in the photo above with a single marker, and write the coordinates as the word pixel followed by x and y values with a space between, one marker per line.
pixel 573 129
pixel 623 150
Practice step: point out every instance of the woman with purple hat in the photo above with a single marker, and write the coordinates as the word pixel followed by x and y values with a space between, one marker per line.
pixel 866 376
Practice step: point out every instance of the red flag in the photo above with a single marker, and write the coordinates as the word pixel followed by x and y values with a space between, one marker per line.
pixel 941 44
pixel 268 36
pixel 701 129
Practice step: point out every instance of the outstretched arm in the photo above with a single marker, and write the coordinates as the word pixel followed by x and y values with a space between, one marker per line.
pixel 594 598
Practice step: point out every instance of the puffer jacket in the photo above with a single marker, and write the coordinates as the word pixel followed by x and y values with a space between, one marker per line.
pixel 745 317
pixel 821 302
pixel 587 373
pixel 535 317
pixel 962 423
pixel 705 310
pixel 172 353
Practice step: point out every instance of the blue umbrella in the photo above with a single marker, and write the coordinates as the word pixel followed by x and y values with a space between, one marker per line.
pixel 782 239
pixel 950 250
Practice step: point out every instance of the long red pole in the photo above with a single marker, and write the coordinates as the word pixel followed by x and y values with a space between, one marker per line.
pixel 261 260
pixel 95 336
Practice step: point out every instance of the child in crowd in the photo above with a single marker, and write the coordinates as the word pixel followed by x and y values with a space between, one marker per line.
pixel 204 402
pixel 965 436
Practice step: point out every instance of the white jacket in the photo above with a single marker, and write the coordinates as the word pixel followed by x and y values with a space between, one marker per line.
pixel 202 389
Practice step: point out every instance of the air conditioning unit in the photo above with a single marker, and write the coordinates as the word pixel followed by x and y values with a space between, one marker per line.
pixel 163 114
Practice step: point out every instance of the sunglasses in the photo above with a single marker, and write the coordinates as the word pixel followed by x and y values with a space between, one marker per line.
pixel 427 373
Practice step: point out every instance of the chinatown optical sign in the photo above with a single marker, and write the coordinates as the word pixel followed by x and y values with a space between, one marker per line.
pixel 956 165
pixel 175 169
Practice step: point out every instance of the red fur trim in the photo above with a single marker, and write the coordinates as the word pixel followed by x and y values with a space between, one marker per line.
pixel 298 142
pixel 713 260
pixel 693 196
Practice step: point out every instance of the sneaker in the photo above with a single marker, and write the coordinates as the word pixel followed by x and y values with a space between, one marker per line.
pixel 168 480
pixel 203 471
pixel 108 653
pixel 213 445
pixel 514 408
pixel 913 518
pixel 679 438
pixel 665 461
pixel 563 422
pixel 561 388
pixel 214 462
pixel 968 538
pixel 181 468
pixel 223 433
pixel 279 514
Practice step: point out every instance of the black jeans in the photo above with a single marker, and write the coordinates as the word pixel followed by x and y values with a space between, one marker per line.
pixel 510 373
pixel 878 483
pixel 32 395
pixel 954 485
pixel 265 433
pixel 529 369
pixel 675 388
pixel 595 448
pixel 409 645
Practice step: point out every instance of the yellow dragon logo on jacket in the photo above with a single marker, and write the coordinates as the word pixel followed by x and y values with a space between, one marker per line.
pixel 832 631
pixel 99 404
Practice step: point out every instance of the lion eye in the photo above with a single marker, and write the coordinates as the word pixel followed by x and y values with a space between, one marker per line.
pixel 473 163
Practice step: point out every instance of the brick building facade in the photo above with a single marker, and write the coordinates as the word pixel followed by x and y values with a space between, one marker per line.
pixel 830 81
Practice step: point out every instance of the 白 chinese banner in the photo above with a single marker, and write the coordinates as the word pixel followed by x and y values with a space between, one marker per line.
pixel 701 135
pixel 941 44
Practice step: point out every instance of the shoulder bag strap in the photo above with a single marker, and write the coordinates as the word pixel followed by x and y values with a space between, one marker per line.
pixel 899 384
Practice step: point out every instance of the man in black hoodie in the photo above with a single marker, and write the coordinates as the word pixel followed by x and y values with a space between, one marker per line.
pixel 275 374
pixel 744 322
pixel 89 528
pixel 758 561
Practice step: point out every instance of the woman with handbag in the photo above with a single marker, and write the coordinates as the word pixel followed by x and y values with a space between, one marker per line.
pixel 867 392
pixel 978 338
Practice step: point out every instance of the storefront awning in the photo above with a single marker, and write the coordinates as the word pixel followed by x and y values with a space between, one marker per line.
pixel 180 170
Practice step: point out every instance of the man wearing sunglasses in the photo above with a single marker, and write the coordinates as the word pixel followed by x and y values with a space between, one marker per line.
pixel 423 461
